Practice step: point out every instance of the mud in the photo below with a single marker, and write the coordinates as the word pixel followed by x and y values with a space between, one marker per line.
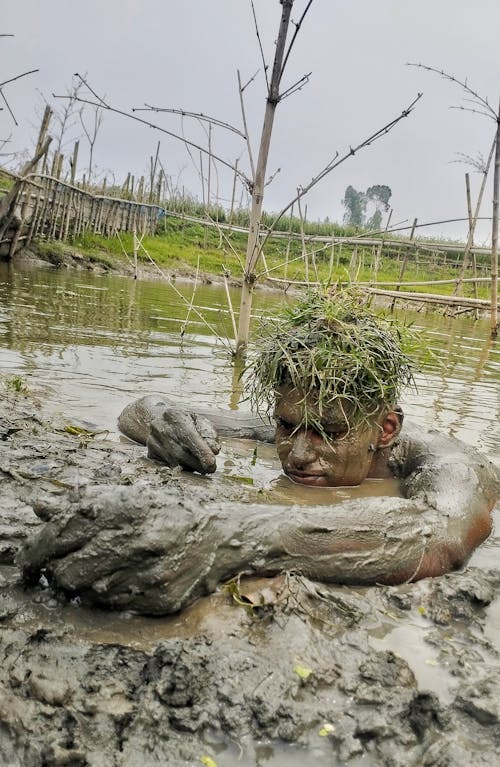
pixel 281 671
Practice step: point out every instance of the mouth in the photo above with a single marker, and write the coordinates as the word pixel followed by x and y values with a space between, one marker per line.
pixel 302 478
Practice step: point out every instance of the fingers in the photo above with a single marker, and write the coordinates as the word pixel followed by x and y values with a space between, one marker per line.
pixel 180 438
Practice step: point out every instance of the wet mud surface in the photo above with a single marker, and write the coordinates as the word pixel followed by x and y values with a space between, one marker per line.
pixel 288 672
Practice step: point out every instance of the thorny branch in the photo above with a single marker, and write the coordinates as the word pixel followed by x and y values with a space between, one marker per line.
pixel 476 98
pixel 196 115
pixel 336 161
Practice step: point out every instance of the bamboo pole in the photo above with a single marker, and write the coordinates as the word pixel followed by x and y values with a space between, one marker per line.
pixel 73 163
pixel 287 251
pixel 233 194
pixel 494 234
pixel 472 225
pixel 259 180
pixel 405 259
pixel 47 116
pixel 303 239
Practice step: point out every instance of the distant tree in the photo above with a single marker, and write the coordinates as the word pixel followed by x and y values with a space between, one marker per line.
pixel 375 220
pixel 380 194
pixel 354 203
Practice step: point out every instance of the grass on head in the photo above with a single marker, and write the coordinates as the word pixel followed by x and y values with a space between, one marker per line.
pixel 335 351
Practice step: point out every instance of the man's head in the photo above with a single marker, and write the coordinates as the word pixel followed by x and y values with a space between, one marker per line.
pixel 331 372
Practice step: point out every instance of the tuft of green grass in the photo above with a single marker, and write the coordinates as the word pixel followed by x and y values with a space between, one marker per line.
pixel 334 350
pixel 18 384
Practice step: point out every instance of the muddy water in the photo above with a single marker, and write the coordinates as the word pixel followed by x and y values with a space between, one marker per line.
pixel 88 344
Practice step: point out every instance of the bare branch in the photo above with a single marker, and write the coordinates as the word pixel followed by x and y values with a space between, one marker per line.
pixel 260 45
pixel 248 82
pixel 18 77
pixel 470 109
pixel 2 94
pixel 463 84
pixel 292 41
pixel 478 163
pixel 196 115
pixel 272 177
pixel 245 126
pixel 84 81
pixel 162 130
pixel 336 161
pixel 296 87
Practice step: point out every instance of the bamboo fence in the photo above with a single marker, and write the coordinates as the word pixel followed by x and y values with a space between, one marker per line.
pixel 45 207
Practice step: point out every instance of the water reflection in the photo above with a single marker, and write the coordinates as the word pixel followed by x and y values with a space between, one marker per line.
pixel 93 342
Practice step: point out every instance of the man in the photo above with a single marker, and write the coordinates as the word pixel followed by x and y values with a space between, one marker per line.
pixel 330 372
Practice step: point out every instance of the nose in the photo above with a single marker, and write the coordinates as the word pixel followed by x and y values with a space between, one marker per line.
pixel 302 453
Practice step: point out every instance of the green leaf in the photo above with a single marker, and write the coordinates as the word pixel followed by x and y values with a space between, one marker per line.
pixel 208 761
pixel 302 671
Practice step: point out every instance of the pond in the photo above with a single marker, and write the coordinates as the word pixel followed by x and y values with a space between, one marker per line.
pixel 88 344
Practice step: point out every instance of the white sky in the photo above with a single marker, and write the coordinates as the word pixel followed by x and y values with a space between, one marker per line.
pixel 185 55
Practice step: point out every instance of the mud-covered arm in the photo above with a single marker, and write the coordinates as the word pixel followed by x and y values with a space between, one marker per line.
pixel 186 437
pixel 455 483
pixel 151 550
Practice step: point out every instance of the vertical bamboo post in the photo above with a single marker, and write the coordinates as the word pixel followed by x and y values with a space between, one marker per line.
pixel 233 193
pixel 47 115
pixel 405 260
pixel 472 226
pixel 303 239
pixel 73 162
pixel 134 238
pixel 332 257
pixel 153 167
pixel 259 180
pixel 470 217
pixel 287 252
pixel 494 234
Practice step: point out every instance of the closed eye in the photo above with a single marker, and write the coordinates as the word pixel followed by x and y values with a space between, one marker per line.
pixel 283 424
pixel 336 434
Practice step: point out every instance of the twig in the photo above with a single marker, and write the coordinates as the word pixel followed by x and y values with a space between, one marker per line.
pixel 462 84
pixel 18 77
pixel 252 78
pixel 245 126
pixel 162 130
pixel 99 98
pixel 272 177
pixel 2 94
pixel 260 45
pixel 197 115
pixel 296 87
pixel 292 41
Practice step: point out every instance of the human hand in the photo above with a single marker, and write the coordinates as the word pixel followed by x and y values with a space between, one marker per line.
pixel 182 438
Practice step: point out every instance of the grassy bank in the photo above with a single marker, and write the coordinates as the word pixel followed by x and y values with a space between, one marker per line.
pixel 184 247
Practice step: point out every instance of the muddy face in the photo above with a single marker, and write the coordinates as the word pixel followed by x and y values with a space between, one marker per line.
pixel 346 458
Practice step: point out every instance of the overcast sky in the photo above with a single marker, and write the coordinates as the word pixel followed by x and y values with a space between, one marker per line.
pixel 185 54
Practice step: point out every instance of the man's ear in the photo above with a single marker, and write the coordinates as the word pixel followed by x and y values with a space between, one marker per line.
pixel 390 427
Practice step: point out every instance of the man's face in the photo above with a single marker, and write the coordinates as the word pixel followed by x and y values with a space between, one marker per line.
pixel 308 458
